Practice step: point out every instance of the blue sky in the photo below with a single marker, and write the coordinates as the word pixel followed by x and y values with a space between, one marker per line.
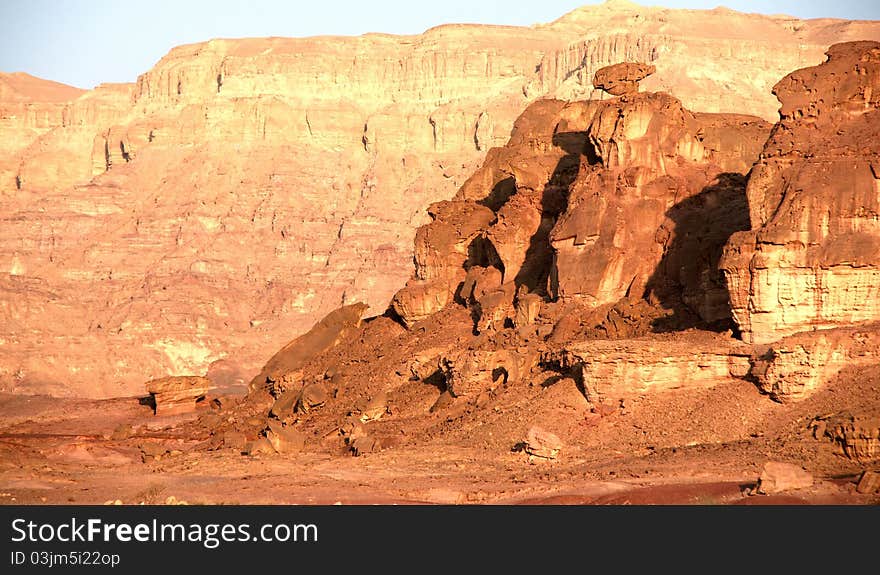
pixel 85 42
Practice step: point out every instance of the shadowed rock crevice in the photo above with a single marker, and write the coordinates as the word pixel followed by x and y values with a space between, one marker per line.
pixel 687 279
pixel 500 193
pixel 537 265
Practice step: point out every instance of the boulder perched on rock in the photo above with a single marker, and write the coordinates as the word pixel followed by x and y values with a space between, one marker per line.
pixel 177 394
pixel 623 78
pixel 652 206
pixel 812 257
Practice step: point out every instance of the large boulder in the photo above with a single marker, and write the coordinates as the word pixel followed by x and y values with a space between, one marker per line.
pixel 623 78
pixel 177 394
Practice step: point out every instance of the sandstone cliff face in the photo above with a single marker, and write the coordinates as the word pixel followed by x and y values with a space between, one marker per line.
pixel 242 189
pixel 29 108
pixel 558 263
pixel 812 257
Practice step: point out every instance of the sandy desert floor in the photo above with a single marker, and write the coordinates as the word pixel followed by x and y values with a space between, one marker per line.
pixel 60 451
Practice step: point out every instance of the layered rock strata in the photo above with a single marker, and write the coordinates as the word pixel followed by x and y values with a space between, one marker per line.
pixel 609 371
pixel 796 366
pixel 811 259
pixel 176 395
pixel 242 189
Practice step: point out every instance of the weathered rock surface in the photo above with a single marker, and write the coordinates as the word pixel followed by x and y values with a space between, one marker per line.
pixel 242 189
pixel 283 438
pixel 869 482
pixel 623 78
pixel 590 202
pixel 857 434
pixel 612 370
pixel 177 394
pixel 812 257
pixel 777 477
pixel 796 366
pixel 470 372
pixel 543 444
pixel 650 214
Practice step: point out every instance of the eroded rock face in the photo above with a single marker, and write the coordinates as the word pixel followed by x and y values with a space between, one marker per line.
pixel 613 370
pixel 492 238
pixel 441 250
pixel 796 366
pixel 812 256
pixel 470 372
pixel 242 189
pixel 652 206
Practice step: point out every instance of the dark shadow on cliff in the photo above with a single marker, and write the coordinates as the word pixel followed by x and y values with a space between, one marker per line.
pixel 500 193
pixel 538 260
pixel 687 280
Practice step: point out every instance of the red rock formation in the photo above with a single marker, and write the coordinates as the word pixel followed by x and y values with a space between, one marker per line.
pixel 176 395
pixel 812 257
pixel 796 366
pixel 244 188
pixel 650 213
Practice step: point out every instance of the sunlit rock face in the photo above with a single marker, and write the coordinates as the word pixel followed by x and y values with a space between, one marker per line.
pixel 194 221
pixel 658 193
pixel 812 257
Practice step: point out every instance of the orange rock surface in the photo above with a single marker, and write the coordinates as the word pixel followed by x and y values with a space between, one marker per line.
pixel 812 257
pixel 195 221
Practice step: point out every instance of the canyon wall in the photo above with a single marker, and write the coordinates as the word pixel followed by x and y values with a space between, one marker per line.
pixel 812 257
pixel 198 219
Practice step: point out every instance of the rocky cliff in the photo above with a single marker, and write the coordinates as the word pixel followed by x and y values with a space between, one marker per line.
pixel 596 254
pixel 812 257
pixel 196 220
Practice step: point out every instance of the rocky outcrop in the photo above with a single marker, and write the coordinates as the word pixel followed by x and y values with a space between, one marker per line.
pixel 316 160
pixel 652 206
pixel 441 250
pixel 176 395
pixel 590 202
pixel 857 435
pixel 608 371
pixel 796 366
pixel 471 372
pixel 812 257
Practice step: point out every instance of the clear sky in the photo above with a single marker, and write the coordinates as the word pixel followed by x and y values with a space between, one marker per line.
pixel 86 42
